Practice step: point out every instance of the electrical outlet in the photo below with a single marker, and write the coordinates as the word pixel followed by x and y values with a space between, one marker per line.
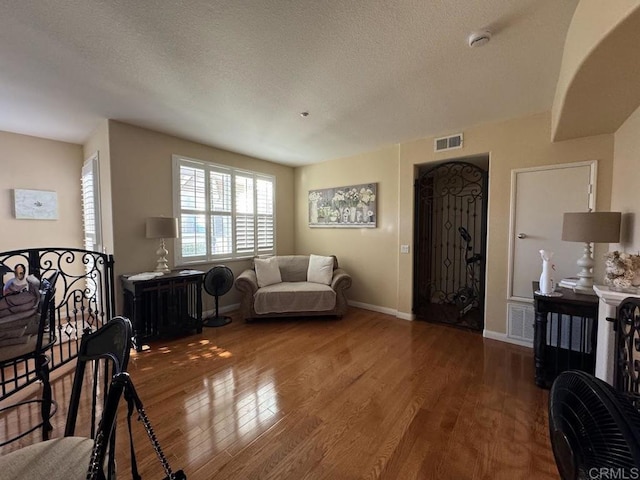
pixel 404 248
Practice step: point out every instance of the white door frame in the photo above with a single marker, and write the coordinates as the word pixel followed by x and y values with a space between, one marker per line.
pixel 512 213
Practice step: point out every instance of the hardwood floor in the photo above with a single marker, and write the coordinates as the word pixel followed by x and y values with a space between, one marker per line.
pixel 366 397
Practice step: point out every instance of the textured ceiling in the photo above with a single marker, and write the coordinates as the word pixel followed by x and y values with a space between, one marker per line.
pixel 236 74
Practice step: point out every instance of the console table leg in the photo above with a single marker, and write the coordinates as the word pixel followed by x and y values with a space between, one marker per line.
pixel 539 343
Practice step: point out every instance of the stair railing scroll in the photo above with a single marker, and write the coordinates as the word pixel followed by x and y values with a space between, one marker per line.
pixel 85 298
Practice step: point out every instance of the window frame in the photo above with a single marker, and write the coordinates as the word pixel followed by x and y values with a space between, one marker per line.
pixel 209 257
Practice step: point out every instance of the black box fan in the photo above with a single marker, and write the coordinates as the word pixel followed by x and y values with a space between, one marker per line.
pixel 593 428
pixel 217 282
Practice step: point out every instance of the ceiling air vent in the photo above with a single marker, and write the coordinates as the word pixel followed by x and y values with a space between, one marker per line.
pixel 448 143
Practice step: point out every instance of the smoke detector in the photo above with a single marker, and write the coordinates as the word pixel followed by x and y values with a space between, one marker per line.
pixel 480 38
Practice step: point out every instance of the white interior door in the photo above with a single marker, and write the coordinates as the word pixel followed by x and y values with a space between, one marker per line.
pixel 540 196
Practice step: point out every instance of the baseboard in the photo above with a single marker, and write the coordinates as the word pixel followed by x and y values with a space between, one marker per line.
pixel 385 310
pixel 365 306
pixel 373 308
pixel 502 337
pixel 406 316
pixel 228 308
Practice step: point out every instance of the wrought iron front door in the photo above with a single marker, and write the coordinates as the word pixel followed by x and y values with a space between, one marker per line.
pixel 450 244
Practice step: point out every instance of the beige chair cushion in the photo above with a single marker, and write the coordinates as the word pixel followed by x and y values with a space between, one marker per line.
pixel 293 268
pixel 294 297
pixel 65 458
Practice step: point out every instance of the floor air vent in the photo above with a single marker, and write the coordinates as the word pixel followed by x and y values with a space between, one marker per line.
pixel 448 143
pixel 521 319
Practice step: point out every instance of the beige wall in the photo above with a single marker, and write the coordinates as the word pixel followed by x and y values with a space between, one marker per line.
pixel 625 196
pixel 98 142
pixel 382 276
pixel 140 164
pixel 589 25
pixel 369 255
pixel 141 169
pixel 597 85
pixel 40 164
pixel 512 144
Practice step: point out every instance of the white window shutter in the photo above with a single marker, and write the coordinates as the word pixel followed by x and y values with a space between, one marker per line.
pixel 223 212
pixel 91 205
pixel 264 208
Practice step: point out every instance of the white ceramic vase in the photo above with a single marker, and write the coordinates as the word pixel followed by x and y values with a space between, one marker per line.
pixel 546 279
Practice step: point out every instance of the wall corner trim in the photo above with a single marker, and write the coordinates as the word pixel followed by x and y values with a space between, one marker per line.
pixel 502 337
pixel 373 308
pixel 228 308
pixel 406 316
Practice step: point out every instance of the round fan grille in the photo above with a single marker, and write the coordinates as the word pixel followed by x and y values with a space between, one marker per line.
pixel 217 282
pixel 590 426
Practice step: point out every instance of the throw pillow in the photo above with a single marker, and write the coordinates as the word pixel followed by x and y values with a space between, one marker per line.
pixel 267 271
pixel 320 269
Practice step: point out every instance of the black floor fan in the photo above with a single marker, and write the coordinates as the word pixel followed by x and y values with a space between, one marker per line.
pixel 593 428
pixel 217 282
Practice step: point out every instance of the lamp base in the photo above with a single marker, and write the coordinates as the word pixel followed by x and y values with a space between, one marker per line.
pixel 584 290
pixel 162 265
pixel 585 275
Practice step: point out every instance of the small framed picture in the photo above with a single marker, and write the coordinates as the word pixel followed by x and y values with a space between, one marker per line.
pixel 35 204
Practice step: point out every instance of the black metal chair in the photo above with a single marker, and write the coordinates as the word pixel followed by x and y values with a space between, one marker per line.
pixel 72 456
pixel 26 361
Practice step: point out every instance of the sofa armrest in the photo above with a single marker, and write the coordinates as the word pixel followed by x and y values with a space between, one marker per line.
pixel 341 280
pixel 247 282
pixel 340 283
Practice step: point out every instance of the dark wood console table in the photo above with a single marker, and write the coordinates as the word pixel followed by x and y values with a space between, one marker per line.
pixel 163 306
pixel 566 341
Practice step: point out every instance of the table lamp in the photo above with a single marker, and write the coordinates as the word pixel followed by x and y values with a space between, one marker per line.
pixel 590 227
pixel 162 227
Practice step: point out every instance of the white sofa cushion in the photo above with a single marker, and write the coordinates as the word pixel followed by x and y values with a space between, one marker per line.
pixel 294 297
pixel 267 271
pixel 320 269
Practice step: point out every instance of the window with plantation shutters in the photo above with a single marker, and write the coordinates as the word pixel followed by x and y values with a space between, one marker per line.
pixel 91 205
pixel 91 219
pixel 224 212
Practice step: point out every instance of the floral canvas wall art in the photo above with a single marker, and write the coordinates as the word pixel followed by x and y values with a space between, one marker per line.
pixel 344 207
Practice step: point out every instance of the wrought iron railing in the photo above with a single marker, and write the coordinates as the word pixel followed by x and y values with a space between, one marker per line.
pixel 84 298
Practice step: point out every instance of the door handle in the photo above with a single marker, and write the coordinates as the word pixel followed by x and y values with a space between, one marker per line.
pixel 522 235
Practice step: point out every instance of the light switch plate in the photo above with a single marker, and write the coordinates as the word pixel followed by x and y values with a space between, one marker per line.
pixel 404 248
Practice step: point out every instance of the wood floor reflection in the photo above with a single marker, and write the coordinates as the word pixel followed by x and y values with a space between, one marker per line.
pixel 369 396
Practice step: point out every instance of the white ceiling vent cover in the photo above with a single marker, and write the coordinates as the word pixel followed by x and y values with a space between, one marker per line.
pixel 447 143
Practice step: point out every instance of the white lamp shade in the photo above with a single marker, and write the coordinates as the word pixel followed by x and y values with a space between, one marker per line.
pixel 162 227
pixel 596 227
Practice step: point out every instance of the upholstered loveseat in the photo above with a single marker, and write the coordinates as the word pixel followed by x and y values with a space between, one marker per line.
pixel 285 285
